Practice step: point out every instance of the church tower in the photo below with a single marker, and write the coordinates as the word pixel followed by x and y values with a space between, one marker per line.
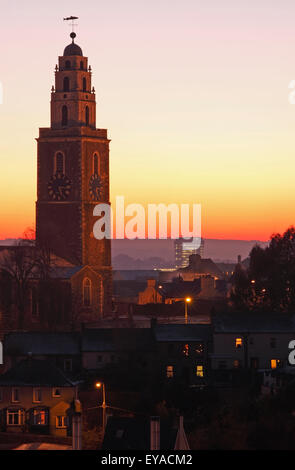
pixel 73 173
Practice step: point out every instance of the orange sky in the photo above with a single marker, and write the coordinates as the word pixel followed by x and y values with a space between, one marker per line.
pixel 195 98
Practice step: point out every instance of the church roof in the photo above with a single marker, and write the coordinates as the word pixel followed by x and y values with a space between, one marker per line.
pixel 73 49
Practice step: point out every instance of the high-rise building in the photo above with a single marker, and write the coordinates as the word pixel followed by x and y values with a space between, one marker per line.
pixel 183 249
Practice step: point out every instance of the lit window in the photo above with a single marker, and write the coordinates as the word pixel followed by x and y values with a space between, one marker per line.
pixel 169 372
pixel 61 422
pixel 37 395
pixel 199 348
pixel 40 418
pixel 274 363
pixel 86 292
pixel 15 395
pixel 239 343
pixel 185 350
pixel 15 417
pixel 200 371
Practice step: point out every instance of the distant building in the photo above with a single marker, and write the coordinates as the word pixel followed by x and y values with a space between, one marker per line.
pixel 184 249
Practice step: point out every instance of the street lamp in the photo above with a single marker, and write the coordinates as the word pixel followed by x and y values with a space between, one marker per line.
pixel 101 385
pixel 186 302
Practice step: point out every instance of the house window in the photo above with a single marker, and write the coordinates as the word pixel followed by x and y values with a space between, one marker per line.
pixel 95 164
pixel 200 370
pixel 236 364
pixel 86 292
pixel 169 372
pixel 40 417
pixel 68 365
pixel 59 163
pixel 239 343
pixel 273 343
pixel 15 417
pixel 56 393
pixel 274 363
pixel 61 422
pixel 37 395
pixel 185 350
pixel 64 116
pixel 15 395
pixel 199 349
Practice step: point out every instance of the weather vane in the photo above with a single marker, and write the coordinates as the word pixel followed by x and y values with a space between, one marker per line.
pixel 72 19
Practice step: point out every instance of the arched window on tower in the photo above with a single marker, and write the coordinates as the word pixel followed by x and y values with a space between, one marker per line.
pixel 64 116
pixel 81 65
pixel 59 163
pixel 87 292
pixel 68 64
pixel 66 84
pixel 95 164
pixel 87 116
pixel 84 84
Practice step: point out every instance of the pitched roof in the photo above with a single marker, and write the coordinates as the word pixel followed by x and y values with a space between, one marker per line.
pixel 34 372
pixel 180 289
pixel 251 322
pixel 42 343
pixel 95 340
pixel 191 332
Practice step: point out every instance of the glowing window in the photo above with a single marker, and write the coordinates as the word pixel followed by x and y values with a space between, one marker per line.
pixel 40 418
pixel 199 348
pixel 169 372
pixel 200 371
pixel 15 417
pixel 273 363
pixel 239 343
pixel 61 422
pixel 185 350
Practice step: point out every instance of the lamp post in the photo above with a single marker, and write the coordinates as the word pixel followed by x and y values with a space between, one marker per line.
pixel 101 385
pixel 186 302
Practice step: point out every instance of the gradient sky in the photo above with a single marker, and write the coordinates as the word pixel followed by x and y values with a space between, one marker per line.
pixel 194 94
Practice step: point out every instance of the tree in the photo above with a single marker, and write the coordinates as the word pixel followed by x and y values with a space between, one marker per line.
pixel 269 282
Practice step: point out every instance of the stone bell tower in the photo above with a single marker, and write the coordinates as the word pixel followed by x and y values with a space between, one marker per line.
pixel 73 171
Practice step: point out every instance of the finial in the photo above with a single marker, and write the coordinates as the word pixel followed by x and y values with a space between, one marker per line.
pixel 73 35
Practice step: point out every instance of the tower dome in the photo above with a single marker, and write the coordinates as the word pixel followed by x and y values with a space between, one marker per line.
pixel 73 49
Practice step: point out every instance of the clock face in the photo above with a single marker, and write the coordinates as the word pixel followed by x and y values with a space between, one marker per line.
pixel 59 187
pixel 95 187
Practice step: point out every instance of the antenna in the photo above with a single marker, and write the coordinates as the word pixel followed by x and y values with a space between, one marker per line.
pixel 72 19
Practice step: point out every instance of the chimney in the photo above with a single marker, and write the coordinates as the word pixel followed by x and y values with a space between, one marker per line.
pixel 155 433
